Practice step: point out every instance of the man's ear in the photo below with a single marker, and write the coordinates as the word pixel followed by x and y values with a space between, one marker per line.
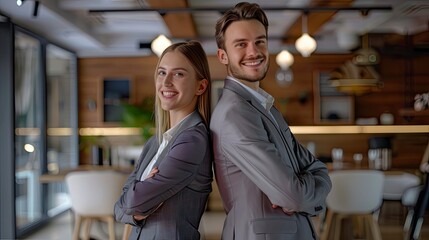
pixel 202 86
pixel 222 56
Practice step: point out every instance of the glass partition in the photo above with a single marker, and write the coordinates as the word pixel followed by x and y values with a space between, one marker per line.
pixel 28 134
pixel 61 91
pixel 46 142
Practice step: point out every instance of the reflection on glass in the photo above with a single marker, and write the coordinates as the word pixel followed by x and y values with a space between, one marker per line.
pixel 28 115
pixel 61 122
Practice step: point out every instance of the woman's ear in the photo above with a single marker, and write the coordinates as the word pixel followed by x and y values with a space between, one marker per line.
pixel 202 86
pixel 222 56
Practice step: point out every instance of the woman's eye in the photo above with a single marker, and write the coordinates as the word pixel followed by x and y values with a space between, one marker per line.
pixel 161 73
pixel 179 74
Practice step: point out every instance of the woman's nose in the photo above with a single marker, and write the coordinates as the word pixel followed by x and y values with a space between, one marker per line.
pixel 167 80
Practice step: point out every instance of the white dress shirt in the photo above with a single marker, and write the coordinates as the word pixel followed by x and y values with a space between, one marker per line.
pixel 166 137
pixel 264 98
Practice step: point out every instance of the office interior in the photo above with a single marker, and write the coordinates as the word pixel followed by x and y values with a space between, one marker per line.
pixel 66 109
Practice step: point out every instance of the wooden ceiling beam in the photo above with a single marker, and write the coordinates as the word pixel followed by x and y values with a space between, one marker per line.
pixel 315 20
pixel 180 25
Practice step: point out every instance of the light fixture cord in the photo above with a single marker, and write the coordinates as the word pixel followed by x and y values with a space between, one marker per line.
pixel 304 23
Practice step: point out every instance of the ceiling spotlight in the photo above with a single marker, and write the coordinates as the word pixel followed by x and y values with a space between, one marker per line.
pixel 159 44
pixel 305 44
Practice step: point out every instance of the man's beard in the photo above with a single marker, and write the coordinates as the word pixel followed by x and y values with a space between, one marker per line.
pixel 240 74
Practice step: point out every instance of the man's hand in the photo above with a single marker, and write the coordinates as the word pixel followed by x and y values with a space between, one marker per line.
pixel 285 210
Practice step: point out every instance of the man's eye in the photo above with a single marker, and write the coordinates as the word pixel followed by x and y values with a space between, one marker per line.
pixel 261 42
pixel 240 45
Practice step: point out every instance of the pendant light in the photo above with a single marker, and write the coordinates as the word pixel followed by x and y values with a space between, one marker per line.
pixel 159 44
pixel 284 59
pixel 284 75
pixel 305 44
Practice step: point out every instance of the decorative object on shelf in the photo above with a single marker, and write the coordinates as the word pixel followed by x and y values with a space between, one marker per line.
pixel 159 44
pixel 386 118
pixel 358 76
pixel 357 158
pixel 421 101
pixel 366 55
pixel 305 45
pixel 367 121
pixel 355 79
pixel 337 157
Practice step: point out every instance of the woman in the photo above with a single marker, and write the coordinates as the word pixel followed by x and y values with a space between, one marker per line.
pixel 166 195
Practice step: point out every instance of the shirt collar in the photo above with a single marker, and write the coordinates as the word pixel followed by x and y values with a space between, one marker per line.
pixel 264 98
pixel 168 135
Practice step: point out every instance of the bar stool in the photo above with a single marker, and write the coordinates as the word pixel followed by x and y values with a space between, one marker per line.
pixel 355 193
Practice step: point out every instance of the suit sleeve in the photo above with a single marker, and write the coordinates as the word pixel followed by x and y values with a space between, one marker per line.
pixel 248 145
pixel 176 171
pixel 119 208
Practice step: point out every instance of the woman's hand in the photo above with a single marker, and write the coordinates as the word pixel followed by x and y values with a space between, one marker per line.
pixel 139 217
pixel 152 172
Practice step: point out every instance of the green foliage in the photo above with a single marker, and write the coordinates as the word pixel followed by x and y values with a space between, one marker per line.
pixel 140 116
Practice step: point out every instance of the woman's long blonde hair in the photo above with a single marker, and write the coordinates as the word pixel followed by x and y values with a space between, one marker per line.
pixel 196 55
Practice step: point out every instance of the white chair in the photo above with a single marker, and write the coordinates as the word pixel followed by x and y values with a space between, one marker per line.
pixel 93 195
pixel 395 184
pixel 355 193
pixel 409 200
pixel 420 198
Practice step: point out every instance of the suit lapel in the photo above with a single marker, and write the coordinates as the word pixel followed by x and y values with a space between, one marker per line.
pixel 189 122
pixel 286 136
pixel 281 127
pixel 235 87
pixel 147 155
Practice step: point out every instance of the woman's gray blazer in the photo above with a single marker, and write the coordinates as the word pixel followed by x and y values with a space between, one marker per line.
pixel 182 186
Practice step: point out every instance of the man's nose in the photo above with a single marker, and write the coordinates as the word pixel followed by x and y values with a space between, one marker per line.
pixel 252 49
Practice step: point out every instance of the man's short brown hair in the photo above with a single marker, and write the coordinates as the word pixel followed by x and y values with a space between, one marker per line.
pixel 241 11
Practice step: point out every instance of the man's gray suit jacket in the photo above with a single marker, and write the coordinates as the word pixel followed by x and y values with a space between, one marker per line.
pixel 182 186
pixel 258 164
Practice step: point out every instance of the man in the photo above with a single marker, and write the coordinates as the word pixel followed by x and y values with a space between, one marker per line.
pixel 270 185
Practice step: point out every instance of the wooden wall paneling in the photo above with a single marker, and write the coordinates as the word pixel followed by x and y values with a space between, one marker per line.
pixel 408 150
pixel 87 103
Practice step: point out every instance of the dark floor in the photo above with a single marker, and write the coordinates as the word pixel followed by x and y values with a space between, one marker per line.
pixel 391 220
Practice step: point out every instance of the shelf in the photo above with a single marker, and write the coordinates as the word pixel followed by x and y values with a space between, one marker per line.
pixel 352 129
pixel 410 112
pixel 355 129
